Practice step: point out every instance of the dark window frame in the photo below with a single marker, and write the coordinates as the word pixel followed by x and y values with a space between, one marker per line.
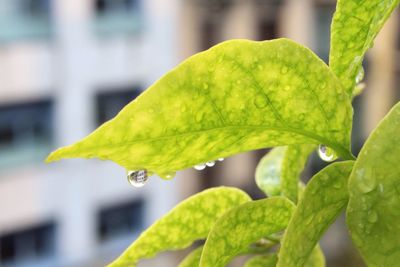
pixel 121 219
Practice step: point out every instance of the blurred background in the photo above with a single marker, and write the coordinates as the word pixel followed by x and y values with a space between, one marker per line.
pixel 66 66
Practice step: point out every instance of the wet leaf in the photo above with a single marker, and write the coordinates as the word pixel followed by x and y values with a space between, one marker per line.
pixel 268 171
pixel 233 233
pixel 373 213
pixel 292 166
pixel 278 172
pixel 354 28
pixel 237 96
pixel 193 259
pixel 188 221
pixel 324 197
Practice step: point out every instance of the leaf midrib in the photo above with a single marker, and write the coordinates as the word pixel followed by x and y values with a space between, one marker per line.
pixel 341 150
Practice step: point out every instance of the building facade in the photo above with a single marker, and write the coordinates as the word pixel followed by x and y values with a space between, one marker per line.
pixel 66 67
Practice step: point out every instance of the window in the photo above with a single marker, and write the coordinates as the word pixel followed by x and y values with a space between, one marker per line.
pixel 267 19
pixel 111 102
pixel 120 220
pixel 267 29
pixel 24 19
pixel 35 246
pixel 25 132
pixel 117 16
pixel 323 17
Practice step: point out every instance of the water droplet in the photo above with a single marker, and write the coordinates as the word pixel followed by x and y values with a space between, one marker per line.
pixel 372 217
pixel 337 184
pixel 199 117
pixel 326 153
pixel 205 86
pixel 168 175
pixel 137 178
pixel 200 166
pixel 302 116
pixel 365 180
pixel 360 75
pixel 260 101
pixel 284 70
pixel 210 163
pixel 221 159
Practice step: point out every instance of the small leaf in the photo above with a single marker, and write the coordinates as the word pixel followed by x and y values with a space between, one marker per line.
pixel 238 228
pixel 268 171
pixel 237 96
pixel 316 259
pixel 354 28
pixel 187 222
pixel 322 201
pixel 193 259
pixel 279 171
pixel 293 164
pixel 373 213
pixel 262 261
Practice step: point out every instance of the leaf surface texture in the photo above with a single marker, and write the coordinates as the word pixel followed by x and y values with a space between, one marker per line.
pixel 237 96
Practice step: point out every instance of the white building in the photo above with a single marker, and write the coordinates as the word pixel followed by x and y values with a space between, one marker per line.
pixel 65 67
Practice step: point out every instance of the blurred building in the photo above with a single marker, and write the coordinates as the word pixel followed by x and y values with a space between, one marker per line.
pixel 66 66
pixel 208 22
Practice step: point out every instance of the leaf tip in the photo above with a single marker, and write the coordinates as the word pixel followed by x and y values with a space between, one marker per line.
pixel 58 154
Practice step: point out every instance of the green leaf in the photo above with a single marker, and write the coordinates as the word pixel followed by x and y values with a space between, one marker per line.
pixel 238 228
pixel 354 28
pixel 323 199
pixel 279 171
pixel 373 213
pixel 316 259
pixel 237 96
pixel 188 221
pixel 262 261
pixel 193 259
pixel 268 171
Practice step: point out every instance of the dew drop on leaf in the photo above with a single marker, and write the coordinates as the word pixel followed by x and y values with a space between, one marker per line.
pixel 326 153
pixel 210 163
pixel 167 176
pixel 260 102
pixel 360 75
pixel 366 181
pixel 137 178
pixel 372 217
pixel 221 159
pixel 200 166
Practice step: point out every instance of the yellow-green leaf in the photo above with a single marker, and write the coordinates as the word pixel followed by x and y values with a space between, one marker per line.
pixel 324 197
pixel 262 261
pixel 237 96
pixel 192 219
pixel 373 213
pixel 279 171
pixel 268 171
pixel 193 259
pixel 238 228
pixel 316 259
pixel 354 28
